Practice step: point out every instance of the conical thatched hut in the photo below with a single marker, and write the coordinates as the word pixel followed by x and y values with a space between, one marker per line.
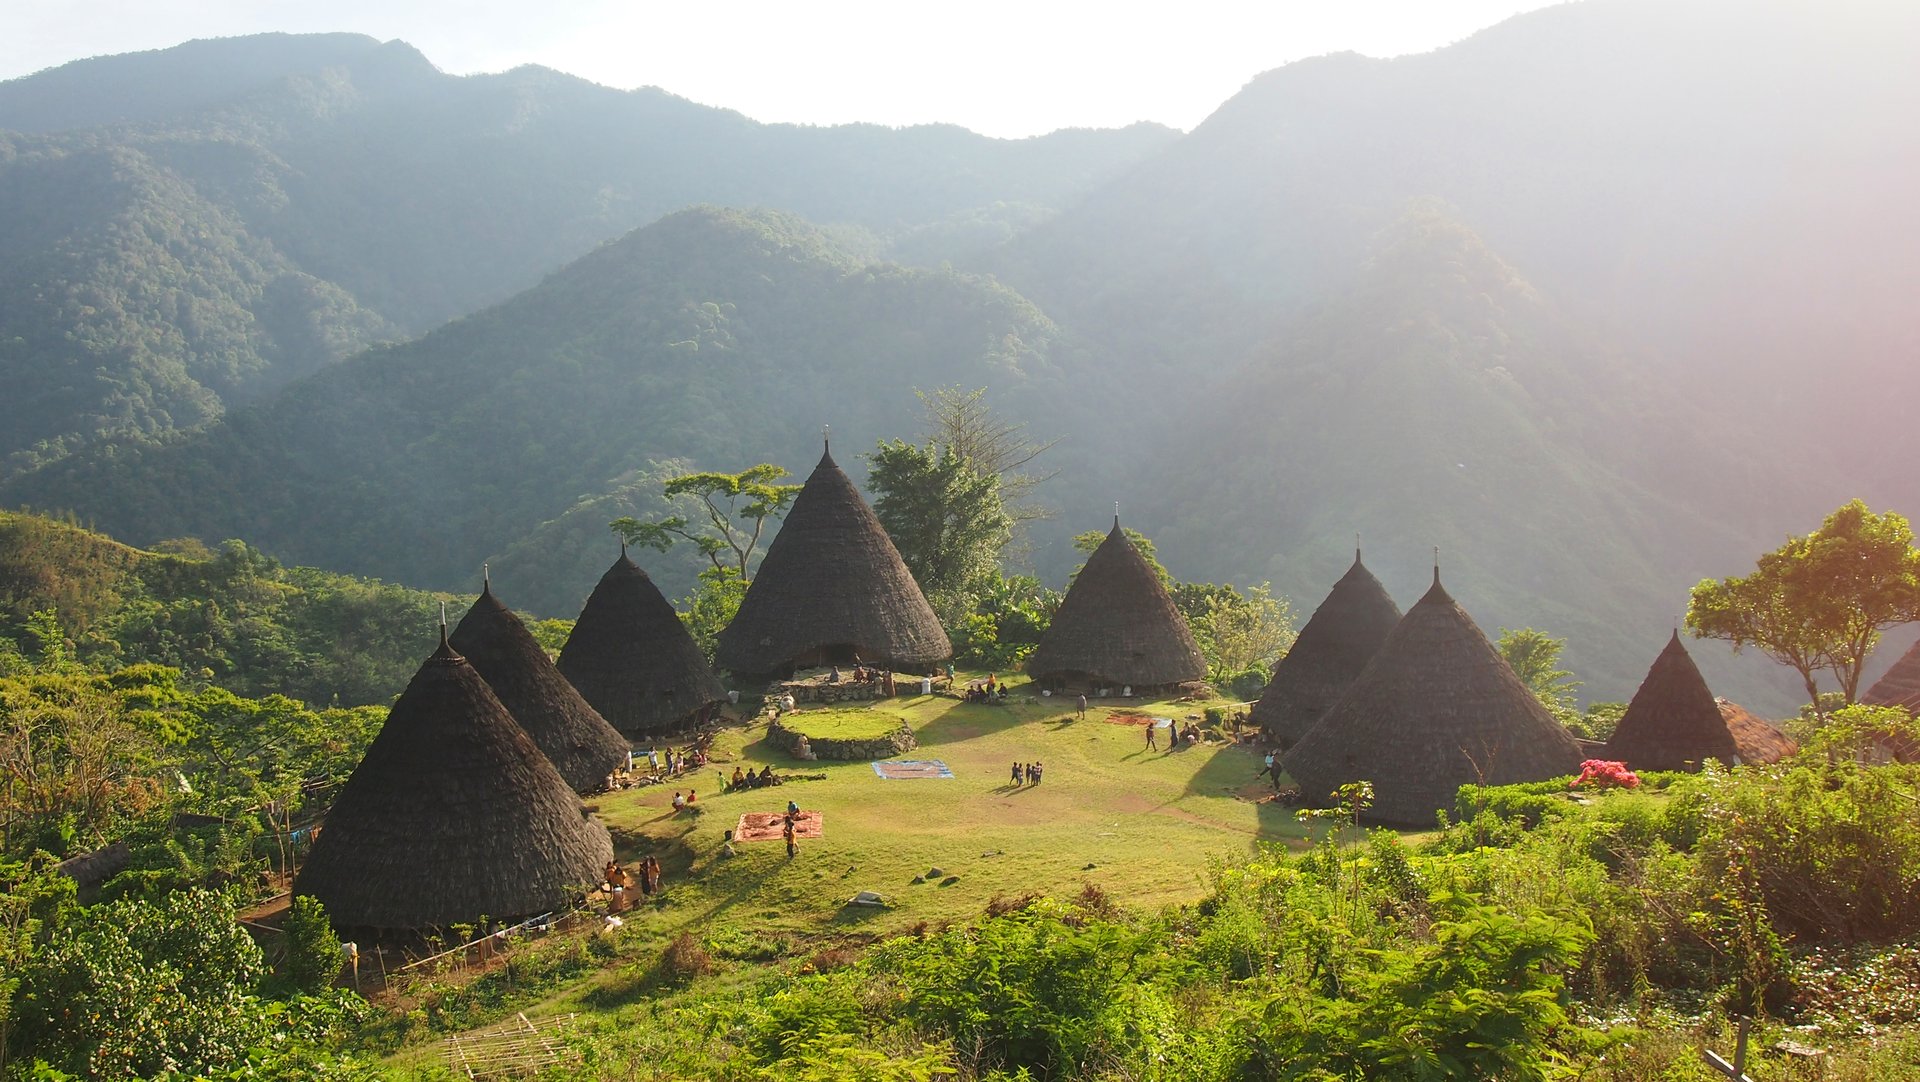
pixel 1759 740
pixel 633 659
pixel 1901 684
pixel 1437 708
pixel 832 589
pixel 1344 634
pixel 573 735
pixel 1674 723
pixel 453 815
pixel 1116 627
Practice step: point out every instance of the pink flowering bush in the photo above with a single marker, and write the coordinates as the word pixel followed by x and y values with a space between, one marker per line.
pixel 1605 774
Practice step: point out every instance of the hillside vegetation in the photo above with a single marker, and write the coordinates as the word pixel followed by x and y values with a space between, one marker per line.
pixel 187 229
pixel 232 617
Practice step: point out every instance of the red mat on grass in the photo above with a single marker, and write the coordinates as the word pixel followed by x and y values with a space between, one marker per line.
pixel 771 826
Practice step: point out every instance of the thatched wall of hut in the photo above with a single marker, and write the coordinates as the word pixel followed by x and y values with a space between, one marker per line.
pixel 1345 632
pixel 631 657
pixel 1900 686
pixel 572 734
pixel 831 588
pixel 1437 708
pixel 453 815
pixel 1117 626
pixel 1673 722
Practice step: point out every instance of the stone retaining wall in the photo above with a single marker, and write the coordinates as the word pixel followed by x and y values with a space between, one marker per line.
pixel 898 742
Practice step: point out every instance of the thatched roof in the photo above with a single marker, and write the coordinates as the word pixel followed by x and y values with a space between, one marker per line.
pixel 1672 722
pixel 832 586
pixel 633 659
pixel 1759 741
pixel 453 815
pixel 1437 708
pixel 1344 634
pixel 1117 625
pixel 576 739
pixel 1901 684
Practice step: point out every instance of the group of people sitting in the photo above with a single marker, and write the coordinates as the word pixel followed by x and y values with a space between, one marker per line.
pixel 1026 774
pixel 747 779
pixel 991 691
pixel 682 803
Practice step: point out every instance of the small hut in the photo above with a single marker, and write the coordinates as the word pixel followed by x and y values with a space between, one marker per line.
pixel 1759 740
pixel 632 658
pixel 1344 634
pixel 1901 684
pixel 1674 722
pixel 452 816
pixel 1117 627
pixel 831 590
pixel 576 739
pixel 1437 708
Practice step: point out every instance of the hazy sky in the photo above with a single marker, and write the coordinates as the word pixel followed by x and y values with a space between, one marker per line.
pixel 1003 67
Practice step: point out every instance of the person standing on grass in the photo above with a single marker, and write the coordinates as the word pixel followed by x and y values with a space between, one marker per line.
pixel 1153 741
pixel 1016 774
pixel 1033 772
pixel 793 847
pixel 1083 706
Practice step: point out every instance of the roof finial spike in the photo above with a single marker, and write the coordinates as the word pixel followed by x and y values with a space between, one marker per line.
pixel 1356 546
pixel 1116 514
pixel 443 624
pixel 826 438
pixel 486 577
pixel 1436 565
pixel 623 546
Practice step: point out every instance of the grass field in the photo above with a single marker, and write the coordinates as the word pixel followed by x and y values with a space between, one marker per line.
pixel 1140 824
pixel 1143 826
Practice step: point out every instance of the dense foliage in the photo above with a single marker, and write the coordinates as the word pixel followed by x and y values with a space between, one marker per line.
pixel 233 616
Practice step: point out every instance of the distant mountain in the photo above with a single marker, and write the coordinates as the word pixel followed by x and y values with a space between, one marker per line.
pixel 1723 184
pixel 718 337
pixel 190 228
pixel 1442 400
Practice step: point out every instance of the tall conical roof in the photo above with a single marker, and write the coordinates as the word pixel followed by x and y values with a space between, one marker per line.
pixel 1117 625
pixel 1437 708
pixel 633 659
pixel 1901 684
pixel 1344 634
pixel 1673 722
pixel 832 584
pixel 453 815
pixel 574 737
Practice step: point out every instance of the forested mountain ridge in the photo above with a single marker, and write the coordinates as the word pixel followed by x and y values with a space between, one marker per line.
pixel 72 597
pixel 1720 185
pixel 719 337
pixel 190 228
pixel 1444 401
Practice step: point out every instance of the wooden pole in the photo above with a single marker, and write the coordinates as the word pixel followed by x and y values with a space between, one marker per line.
pixel 1737 1070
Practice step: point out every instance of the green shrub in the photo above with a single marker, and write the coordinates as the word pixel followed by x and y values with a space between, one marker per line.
pixel 312 950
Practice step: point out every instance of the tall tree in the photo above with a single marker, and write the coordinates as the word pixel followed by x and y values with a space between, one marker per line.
pixel 1819 601
pixel 963 421
pixel 943 514
pixel 732 512
pixel 1535 659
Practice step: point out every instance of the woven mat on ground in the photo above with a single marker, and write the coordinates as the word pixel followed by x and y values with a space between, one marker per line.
pixel 770 826
pixel 1139 719
pixel 895 769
